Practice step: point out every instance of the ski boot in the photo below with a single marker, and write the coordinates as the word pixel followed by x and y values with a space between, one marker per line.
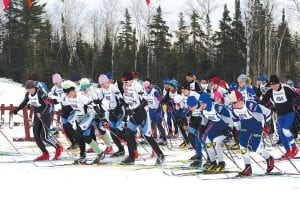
pixel 44 156
pixel 211 167
pixel 160 159
pixel 99 157
pixel 120 152
pixel 59 149
pixel 196 163
pixel 183 145
pixel 108 150
pixel 288 154
pixel 247 171
pixel 81 160
pixel 270 164
pixel 136 153
pixel 220 167
pixel 128 161
pixel 294 151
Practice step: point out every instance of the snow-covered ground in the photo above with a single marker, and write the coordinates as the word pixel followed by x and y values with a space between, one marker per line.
pixel 44 180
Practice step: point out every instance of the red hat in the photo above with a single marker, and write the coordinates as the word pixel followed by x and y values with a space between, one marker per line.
pixel 215 80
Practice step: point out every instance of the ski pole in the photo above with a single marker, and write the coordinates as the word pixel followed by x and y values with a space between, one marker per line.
pixel 10 142
pixel 231 156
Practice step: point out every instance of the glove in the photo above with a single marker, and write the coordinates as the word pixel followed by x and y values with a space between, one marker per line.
pixel 49 100
pixel 129 112
pixel 15 112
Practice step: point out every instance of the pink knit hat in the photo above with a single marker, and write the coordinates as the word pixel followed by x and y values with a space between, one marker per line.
pixel 56 78
pixel 102 79
pixel 218 95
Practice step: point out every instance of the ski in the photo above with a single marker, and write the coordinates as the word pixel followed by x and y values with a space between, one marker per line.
pixel 235 175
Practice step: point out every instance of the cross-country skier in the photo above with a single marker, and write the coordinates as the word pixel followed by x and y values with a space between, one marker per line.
pixel 84 116
pixel 249 117
pixel 138 116
pixel 42 120
pixel 283 97
pixel 154 99
pixel 218 118
pixel 110 93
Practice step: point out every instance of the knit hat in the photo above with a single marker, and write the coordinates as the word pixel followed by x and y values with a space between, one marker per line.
pixel 109 75
pixel 84 84
pixel 242 77
pixel 185 85
pixel 191 101
pixel 75 77
pixel 218 95
pixel 215 80
pixel 274 80
pixel 68 86
pixel 205 98
pixel 33 77
pixel 262 77
pixel 127 76
pixel 102 79
pixel 235 96
pixel 173 83
pixel 56 78
pixel 166 81
pixel 29 84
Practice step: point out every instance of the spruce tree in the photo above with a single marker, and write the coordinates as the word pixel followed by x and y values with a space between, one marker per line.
pixel 225 52
pixel 106 55
pixel 160 46
pixel 239 41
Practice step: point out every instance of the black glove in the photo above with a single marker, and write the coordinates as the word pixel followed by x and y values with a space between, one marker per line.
pixel 129 112
pixel 15 112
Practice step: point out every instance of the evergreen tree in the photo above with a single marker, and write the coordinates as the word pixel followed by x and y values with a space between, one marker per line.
pixel 106 55
pixel 160 45
pixel 127 45
pixel 181 47
pixel 239 41
pixel 284 46
pixel 225 52
pixel 64 53
pixel 142 57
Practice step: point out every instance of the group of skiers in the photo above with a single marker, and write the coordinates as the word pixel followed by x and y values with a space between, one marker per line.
pixel 205 113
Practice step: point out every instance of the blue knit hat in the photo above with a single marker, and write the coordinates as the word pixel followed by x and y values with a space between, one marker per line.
pixel 205 98
pixel 192 101
pixel 109 75
pixel 166 81
pixel 262 77
pixel 173 82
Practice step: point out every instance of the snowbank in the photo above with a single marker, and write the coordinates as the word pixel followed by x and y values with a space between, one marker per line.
pixel 11 92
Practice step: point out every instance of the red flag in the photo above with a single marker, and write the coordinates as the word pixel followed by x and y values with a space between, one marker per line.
pixel 6 4
pixel 29 3
pixel 147 2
